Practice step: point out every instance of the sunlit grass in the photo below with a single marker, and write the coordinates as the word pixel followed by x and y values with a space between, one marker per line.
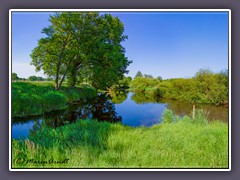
pixel 34 98
pixel 185 143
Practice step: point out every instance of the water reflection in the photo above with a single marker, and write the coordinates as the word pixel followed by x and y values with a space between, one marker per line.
pixel 213 112
pixel 182 108
pixel 128 108
pixel 100 108
pixel 118 97
pixel 141 98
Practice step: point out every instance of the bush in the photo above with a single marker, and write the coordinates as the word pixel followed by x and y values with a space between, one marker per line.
pixel 205 87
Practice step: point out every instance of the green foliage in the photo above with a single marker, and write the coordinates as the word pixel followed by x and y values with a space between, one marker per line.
pixel 139 74
pixel 140 84
pixel 201 117
pixel 32 78
pixel 14 77
pixel 24 105
pixel 152 91
pixel 92 144
pixel 141 98
pixel 49 79
pixel 205 87
pixel 167 116
pixel 85 47
pixel 80 94
pixel 118 96
pixel 148 76
pixel 159 78
pixel 122 84
pixel 53 100
pixel 37 97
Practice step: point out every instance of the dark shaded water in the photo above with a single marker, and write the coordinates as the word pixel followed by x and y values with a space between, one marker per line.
pixel 128 108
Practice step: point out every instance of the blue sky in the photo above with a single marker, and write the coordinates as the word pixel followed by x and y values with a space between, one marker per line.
pixel 167 44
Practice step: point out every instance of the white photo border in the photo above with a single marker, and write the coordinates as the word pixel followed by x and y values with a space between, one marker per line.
pixel 120 10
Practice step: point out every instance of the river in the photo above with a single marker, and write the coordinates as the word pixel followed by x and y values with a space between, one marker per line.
pixel 124 107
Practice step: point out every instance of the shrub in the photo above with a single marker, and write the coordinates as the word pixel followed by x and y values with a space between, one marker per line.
pixel 205 87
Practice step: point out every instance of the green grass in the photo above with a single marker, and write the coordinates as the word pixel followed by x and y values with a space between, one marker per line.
pixel 182 143
pixel 34 98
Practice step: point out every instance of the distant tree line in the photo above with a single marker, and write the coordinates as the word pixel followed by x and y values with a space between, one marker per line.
pixel 139 74
pixel 30 78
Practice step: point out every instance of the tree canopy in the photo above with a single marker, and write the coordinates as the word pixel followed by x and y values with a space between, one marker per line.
pixel 159 78
pixel 14 76
pixel 148 76
pixel 139 74
pixel 205 87
pixel 82 47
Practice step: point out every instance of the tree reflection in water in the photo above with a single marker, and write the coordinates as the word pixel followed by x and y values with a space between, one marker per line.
pixel 183 108
pixel 100 108
pixel 141 98
pixel 118 97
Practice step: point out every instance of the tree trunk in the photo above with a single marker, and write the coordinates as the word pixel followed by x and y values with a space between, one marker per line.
pixel 73 78
pixel 56 87
pixel 56 84
pixel 57 77
pixel 65 73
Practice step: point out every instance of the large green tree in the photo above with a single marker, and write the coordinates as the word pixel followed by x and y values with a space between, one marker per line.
pixel 108 60
pixel 82 47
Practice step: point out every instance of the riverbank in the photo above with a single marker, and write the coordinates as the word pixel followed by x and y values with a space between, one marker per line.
pixel 204 88
pixel 176 143
pixel 35 98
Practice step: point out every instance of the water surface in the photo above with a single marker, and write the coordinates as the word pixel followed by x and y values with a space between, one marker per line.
pixel 125 107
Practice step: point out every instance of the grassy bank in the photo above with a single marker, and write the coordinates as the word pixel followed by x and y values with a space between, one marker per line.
pixel 34 98
pixel 177 142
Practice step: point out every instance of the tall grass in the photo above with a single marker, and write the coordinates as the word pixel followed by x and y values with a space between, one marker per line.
pixel 185 143
pixel 53 100
pixel 34 98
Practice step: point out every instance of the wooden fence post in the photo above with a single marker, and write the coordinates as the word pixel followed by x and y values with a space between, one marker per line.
pixel 193 115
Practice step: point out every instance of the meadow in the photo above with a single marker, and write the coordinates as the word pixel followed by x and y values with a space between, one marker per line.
pixel 176 143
